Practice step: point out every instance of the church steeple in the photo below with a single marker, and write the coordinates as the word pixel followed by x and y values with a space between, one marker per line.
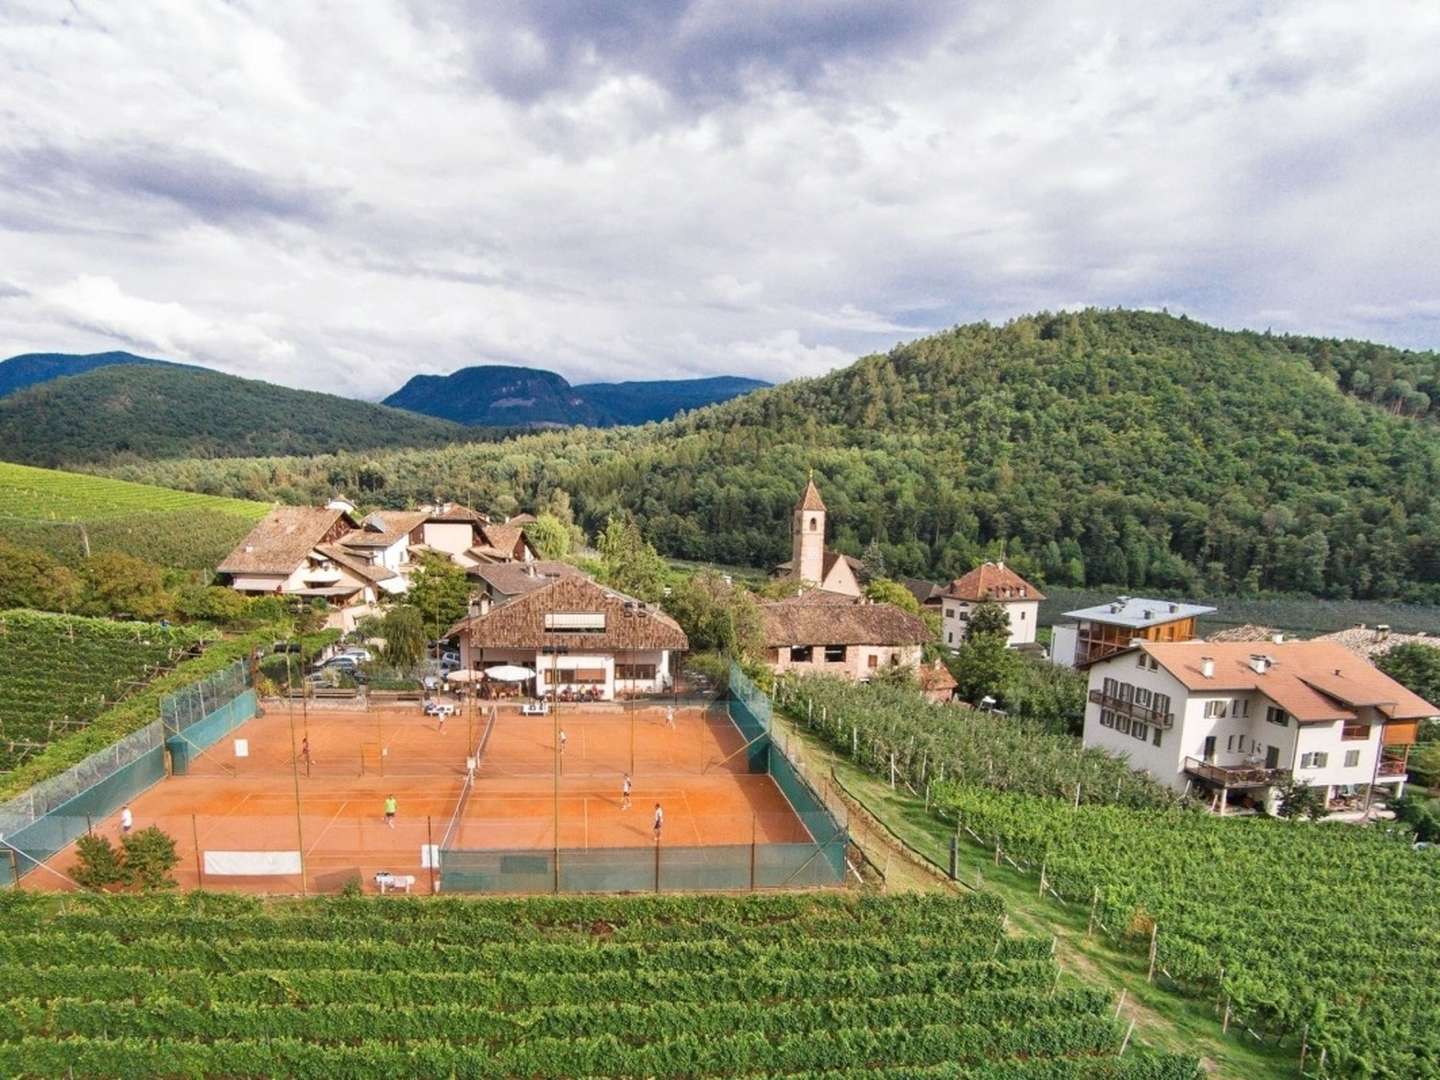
pixel 807 536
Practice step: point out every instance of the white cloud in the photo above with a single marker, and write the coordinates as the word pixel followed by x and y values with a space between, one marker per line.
pixel 657 190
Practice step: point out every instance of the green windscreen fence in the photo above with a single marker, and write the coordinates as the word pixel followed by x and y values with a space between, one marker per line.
pixel 762 864
pixel 45 818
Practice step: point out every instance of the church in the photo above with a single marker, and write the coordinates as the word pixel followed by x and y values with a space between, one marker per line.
pixel 812 565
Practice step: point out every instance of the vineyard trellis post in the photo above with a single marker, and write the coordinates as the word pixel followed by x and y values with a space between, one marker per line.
pixel 1130 1031
pixel 1154 935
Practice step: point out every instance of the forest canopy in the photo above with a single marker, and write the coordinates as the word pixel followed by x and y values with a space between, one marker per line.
pixel 1129 449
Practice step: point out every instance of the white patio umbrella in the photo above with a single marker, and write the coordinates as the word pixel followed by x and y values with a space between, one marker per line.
pixel 463 675
pixel 510 673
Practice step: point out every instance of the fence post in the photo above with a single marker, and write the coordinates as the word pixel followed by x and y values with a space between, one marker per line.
pixel 954 857
pixel 199 863
pixel 657 864
pixel 854 742
pixel 1042 879
pixel 1304 1046
pixel 1128 1033
pixel 892 770
pixel 1094 903
pixel 753 830
pixel 1154 934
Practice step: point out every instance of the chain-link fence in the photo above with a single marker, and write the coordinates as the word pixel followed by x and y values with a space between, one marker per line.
pixel 44 819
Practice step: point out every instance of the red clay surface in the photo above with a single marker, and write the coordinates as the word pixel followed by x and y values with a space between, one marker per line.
pixel 230 803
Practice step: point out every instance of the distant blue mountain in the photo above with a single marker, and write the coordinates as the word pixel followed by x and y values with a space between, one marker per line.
pixel 28 369
pixel 500 395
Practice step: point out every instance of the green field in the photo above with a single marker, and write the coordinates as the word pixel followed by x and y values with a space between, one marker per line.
pixel 799 985
pixel 1324 933
pixel 60 512
pixel 58 672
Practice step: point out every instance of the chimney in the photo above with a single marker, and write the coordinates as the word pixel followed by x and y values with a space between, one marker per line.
pixel 1149 614
pixel 1259 663
pixel 1207 667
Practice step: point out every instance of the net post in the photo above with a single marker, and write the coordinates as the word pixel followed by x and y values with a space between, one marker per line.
pixel 199 863
pixel 430 852
pixel 754 829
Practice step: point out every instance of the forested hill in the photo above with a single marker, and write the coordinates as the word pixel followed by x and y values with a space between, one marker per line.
pixel 170 411
pixel 1129 449
pixel 500 395
pixel 31 369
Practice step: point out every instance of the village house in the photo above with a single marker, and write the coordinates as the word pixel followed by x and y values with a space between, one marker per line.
pixel 997 583
pixel 930 596
pixel 299 551
pixel 578 637
pixel 827 633
pixel 936 682
pixel 1106 629
pixel 499 583
pixel 1235 719
pixel 812 565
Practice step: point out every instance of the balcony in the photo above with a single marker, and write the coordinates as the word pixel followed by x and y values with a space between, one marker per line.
pixel 1393 764
pixel 1163 720
pixel 1234 776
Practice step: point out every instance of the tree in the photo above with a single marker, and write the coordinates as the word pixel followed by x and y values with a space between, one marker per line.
pixel 118 584
pixel 1415 667
pixel 30 578
pixel 549 536
pixel 629 562
pixel 872 561
pixel 99 864
pixel 440 591
pixel 988 617
pixel 1420 813
pixel 404 630
pixel 884 591
pixel 717 615
pixel 1297 799
pixel 149 855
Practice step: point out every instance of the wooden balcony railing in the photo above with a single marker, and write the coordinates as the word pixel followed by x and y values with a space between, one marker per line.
pixel 1154 717
pixel 1393 764
pixel 1234 776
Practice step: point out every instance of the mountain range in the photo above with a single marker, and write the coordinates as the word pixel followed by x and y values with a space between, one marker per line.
pixel 66 409
pixel 496 395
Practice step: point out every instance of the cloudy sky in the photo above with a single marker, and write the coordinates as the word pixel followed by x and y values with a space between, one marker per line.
pixel 338 196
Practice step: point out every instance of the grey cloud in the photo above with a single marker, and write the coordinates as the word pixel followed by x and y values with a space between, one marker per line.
pixel 701 50
pixel 202 185
pixel 9 291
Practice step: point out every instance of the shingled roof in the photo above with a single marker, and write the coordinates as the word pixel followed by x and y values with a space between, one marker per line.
pixel 992 581
pixel 520 624
pixel 1313 681
pixel 518 578
pixel 796 621
pixel 355 564
pixel 283 538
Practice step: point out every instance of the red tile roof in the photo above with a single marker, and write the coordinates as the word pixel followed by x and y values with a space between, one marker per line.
pixel 992 581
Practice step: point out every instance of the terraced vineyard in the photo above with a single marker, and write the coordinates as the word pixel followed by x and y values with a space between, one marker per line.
pixel 59 511
pixel 58 672
pixel 1323 934
pixel 796 985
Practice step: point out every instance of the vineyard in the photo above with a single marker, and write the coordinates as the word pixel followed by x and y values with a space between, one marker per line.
pixel 880 726
pixel 796 985
pixel 58 672
pixel 1328 935
pixel 60 512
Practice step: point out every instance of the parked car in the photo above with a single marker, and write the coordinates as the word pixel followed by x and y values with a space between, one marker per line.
pixel 360 653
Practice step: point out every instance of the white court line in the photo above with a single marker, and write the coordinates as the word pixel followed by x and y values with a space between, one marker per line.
pixel 316 842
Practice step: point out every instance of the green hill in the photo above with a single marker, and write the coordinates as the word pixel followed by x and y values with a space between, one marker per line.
pixel 163 411
pixel 1130 449
pixel 31 369
pixel 62 513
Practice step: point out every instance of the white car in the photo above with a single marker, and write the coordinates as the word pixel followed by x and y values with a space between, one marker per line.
pixel 363 655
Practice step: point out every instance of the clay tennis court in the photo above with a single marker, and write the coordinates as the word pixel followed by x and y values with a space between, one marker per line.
pixel 240 794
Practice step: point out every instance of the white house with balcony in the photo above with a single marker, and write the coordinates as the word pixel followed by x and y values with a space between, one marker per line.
pixel 1233 720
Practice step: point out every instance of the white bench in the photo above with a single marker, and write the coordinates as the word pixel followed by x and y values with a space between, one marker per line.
pixel 535 708
pixel 387 881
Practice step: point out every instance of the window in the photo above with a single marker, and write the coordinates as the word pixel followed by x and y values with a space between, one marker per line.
pixel 1240 708
pixel 1022 616
pixel 872 661
pixel 799 654
pixel 1142 697
pixel 964 616
pixel 950 638
pixel 1316 760
pixel 1355 731
pixel 1229 744
pixel 1352 758
pixel 575 622
pixel 1107 718
pixel 1160 703
pixel 1276 716
pixel 1127 692
pixel 1110 685
pixel 635 672
pixel 834 654
pixel 1139 731
pixel 1156 737
pixel 1122 725
pixel 1141 661
pixel 949 613
pixel 814 524
pixel 1215 708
